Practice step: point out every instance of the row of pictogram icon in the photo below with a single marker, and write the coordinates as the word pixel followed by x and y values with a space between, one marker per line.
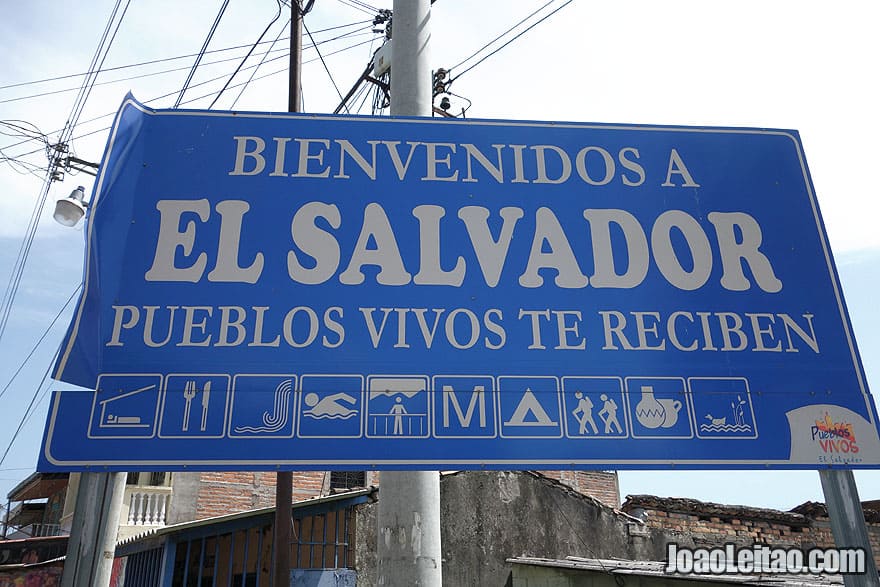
pixel 328 405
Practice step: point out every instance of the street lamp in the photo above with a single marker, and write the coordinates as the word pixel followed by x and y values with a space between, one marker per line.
pixel 69 210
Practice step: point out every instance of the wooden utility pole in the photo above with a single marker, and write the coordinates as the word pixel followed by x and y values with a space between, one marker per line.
pixel 284 480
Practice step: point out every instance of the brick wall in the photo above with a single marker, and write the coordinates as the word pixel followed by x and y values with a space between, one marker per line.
pixel 603 485
pixel 706 524
pixel 230 492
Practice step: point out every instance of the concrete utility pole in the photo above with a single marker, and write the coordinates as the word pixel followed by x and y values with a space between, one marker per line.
pixel 848 521
pixel 284 479
pixel 409 501
pixel 92 543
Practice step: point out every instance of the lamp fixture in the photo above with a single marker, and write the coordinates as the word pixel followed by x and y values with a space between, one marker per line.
pixel 69 210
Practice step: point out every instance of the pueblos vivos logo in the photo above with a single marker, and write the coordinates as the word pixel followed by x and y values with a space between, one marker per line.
pixel 834 437
pixel 825 434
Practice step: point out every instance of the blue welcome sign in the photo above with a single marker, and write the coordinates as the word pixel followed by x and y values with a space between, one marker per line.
pixel 280 290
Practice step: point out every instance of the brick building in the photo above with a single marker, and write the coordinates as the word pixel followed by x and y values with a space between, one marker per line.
pixel 197 496
pixel 693 523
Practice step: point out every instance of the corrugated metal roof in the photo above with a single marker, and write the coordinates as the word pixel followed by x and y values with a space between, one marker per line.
pixel 657 569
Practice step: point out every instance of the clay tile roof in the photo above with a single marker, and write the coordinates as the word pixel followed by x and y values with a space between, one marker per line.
pixel 682 505
pixel 817 509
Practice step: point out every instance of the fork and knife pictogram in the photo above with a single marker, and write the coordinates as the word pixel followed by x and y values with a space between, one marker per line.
pixel 190 390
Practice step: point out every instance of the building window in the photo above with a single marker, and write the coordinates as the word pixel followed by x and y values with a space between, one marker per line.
pixel 155 479
pixel 347 479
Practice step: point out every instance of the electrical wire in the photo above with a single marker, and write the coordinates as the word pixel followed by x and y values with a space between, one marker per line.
pixel 88 84
pixel 475 53
pixel 364 91
pixel 191 100
pixel 518 35
pixel 161 97
pixel 39 402
pixel 21 166
pixel 37 398
pixel 40 340
pixel 254 46
pixel 273 73
pixel 134 77
pixel 23 252
pixel 201 53
pixel 365 5
pixel 356 33
pixel 324 63
pixel 351 4
pixel 27 411
pixel 21 128
pixel 262 59
pixel 166 59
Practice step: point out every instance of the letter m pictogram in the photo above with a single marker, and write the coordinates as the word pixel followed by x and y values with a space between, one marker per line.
pixel 478 398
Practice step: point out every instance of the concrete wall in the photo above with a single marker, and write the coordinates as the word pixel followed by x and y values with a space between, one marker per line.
pixel 184 498
pixel 490 516
pixel 366 516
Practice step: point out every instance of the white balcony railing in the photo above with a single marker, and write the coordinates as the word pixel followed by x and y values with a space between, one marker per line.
pixel 147 506
pixel 41 530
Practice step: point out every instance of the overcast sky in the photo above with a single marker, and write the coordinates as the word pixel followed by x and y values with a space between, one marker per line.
pixel 804 65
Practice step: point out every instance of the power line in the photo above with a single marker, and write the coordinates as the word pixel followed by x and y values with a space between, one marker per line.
pixel 351 4
pixel 166 59
pixel 355 33
pixel 191 100
pixel 27 411
pixel 40 340
pixel 518 35
pixel 348 34
pixel 201 53
pixel 475 53
pixel 324 63
pixel 365 5
pixel 254 46
pixel 262 60
pixel 124 79
pixel 23 252
pixel 30 410
pixel 266 75
pixel 29 415
pixel 22 128
pixel 89 82
pixel 20 166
